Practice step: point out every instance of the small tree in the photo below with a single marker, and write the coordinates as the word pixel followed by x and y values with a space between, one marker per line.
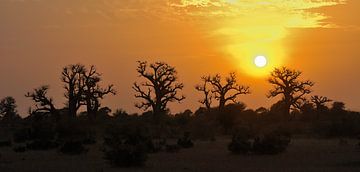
pixel 93 92
pixel 43 103
pixel 320 104
pixel 286 83
pixel 226 91
pixel 160 87
pixel 8 108
pixel 73 79
pixel 207 100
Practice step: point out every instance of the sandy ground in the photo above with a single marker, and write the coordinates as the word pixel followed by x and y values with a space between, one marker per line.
pixel 302 155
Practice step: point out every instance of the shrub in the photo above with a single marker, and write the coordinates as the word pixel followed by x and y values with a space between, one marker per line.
pixel 19 149
pixel 21 135
pixel 241 141
pixel 42 145
pixel 73 148
pixel 240 145
pixel 272 143
pixel 127 155
pixel 5 143
pixel 185 141
pixel 126 146
pixel 172 148
pixel 89 139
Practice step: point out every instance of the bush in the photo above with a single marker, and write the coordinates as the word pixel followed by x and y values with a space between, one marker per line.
pixel 241 141
pixel 272 143
pixel 240 145
pixel 172 148
pixel 73 148
pixel 5 143
pixel 89 139
pixel 42 145
pixel 127 155
pixel 185 141
pixel 19 149
pixel 156 145
pixel 21 135
pixel 127 146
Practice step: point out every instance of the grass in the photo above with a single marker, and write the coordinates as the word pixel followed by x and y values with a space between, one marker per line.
pixel 304 154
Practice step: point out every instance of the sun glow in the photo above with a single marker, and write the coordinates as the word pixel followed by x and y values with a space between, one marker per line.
pixel 249 28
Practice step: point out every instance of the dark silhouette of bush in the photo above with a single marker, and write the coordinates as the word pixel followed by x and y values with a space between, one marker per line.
pixel 172 148
pixel 21 135
pixel 240 144
pixel 185 141
pixel 127 146
pixel 42 145
pixel 89 139
pixel 245 142
pixel 73 148
pixel 5 143
pixel 19 149
pixel 272 143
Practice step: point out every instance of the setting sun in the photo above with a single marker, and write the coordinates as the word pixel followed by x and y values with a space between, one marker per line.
pixel 260 61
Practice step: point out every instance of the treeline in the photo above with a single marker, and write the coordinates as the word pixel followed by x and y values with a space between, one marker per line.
pixel 160 86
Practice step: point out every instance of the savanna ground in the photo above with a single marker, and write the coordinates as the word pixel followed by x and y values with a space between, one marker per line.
pixel 303 154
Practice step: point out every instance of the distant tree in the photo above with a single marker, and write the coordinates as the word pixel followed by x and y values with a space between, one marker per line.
pixel 93 92
pixel 8 108
pixel 227 90
pixel 306 108
pixel 320 104
pixel 286 83
pixel 338 107
pixel 207 100
pixel 43 103
pixel 73 79
pixel 160 87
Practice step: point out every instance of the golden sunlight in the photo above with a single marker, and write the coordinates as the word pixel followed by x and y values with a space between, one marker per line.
pixel 249 28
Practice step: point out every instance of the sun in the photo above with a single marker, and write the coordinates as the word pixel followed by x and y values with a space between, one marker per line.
pixel 260 61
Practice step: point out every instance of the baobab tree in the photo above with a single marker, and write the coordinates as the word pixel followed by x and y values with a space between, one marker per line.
pixel 93 92
pixel 227 90
pixel 320 104
pixel 43 103
pixel 207 100
pixel 73 78
pixel 160 88
pixel 287 83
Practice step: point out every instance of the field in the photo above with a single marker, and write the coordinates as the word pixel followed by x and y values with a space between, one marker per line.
pixel 302 155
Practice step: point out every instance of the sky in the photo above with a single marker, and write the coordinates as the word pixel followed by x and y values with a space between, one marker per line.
pixel 199 37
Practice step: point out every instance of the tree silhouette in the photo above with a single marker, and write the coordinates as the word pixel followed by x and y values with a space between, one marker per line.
pixel 227 91
pixel 320 104
pixel 93 92
pixel 8 108
pixel 338 107
pixel 207 100
pixel 43 103
pixel 286 83
pixel 73 79
pixel 160 87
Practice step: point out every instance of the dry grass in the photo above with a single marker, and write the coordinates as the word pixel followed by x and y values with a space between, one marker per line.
pixel 302 155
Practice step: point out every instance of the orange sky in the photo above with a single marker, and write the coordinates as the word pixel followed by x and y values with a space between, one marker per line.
pixel 199 37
